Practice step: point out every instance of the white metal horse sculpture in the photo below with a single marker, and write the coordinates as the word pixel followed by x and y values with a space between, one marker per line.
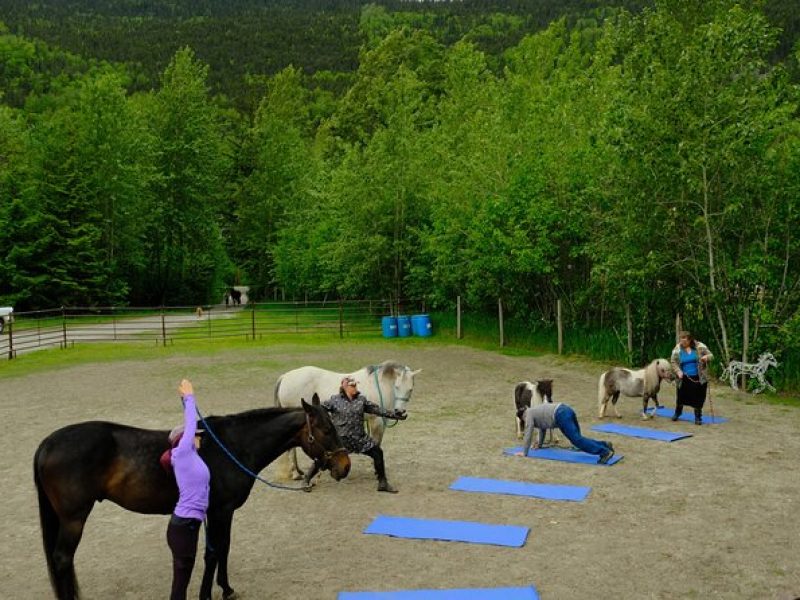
pixel 389 385
pixel 644 383
pixel 737 368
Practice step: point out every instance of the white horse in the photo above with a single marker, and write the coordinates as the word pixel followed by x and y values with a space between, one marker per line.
pixel 644 383
pixel 736 368
pixel 389 385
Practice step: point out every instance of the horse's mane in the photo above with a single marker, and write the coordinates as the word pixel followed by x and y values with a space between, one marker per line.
pixel 385 365
pixel 652 382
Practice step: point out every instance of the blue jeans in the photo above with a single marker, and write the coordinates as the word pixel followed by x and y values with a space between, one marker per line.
pixel 567 422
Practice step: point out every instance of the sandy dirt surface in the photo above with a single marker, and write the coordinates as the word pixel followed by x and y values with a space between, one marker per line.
pixel 716 515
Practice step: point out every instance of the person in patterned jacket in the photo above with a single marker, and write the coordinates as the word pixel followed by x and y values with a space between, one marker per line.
pixel 347 410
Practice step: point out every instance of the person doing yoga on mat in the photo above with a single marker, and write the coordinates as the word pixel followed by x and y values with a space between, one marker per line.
pixel 561 416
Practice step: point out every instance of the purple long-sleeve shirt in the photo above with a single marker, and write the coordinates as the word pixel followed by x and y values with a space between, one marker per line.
pixel 191 472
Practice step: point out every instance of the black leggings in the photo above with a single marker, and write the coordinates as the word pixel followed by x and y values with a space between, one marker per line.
pixel 182 534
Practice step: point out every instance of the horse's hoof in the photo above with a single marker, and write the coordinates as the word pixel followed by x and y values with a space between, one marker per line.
pixel 232 595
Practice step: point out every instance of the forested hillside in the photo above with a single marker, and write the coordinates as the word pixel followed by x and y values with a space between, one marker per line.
pixel 615 160
pixel 244 40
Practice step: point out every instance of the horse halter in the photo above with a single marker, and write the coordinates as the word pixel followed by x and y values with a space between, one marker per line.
pixel 327 455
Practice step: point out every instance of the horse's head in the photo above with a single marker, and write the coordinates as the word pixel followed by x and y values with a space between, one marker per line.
pixel 321 442
pixel 403 385
pixel 664 369
pixel 544 387
pixel 768 360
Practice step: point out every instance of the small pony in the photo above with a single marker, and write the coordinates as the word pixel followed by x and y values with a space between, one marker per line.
pixel 644 383
pixel 532 392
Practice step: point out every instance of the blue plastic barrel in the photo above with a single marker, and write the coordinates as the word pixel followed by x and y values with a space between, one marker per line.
pixel 389 327
pixel 421 325
pixel 403 326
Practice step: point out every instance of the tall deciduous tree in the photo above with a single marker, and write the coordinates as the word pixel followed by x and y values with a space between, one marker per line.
pixel 699 116
pixel 278 169
pixel 186 258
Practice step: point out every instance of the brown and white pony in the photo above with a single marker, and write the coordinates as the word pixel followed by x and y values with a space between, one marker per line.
pixel 527 393
pixel 644 383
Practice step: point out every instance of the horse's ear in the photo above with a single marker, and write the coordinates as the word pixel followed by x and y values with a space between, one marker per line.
pixel 417 372
pixel 315 399
pixel 306 406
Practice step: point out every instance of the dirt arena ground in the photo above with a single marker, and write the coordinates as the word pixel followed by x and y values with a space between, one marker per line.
pixel 716 515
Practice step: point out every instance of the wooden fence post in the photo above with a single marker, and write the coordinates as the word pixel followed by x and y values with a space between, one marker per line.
pixel 560 327
pixel 163 328
pixel 10 341
pixel 678 327
pixel 629 325
pixel 458 318
pixel 64 325
pixel 745 344
pixel 341 320
pixel 500 317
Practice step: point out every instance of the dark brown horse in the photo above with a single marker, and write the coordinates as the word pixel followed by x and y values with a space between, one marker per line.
pixel 85 463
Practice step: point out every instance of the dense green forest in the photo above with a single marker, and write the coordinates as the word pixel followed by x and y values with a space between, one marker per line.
pixel 244 40
pixel 629 156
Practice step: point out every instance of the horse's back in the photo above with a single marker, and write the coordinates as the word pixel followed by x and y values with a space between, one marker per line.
pixel 105 460
pixel 304 382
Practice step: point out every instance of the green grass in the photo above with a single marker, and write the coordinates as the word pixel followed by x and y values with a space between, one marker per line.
pixel 479 332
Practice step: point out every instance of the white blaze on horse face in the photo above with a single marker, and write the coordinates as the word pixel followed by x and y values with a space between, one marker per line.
pixel 403 388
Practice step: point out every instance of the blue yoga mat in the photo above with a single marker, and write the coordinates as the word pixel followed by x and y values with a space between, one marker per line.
pixel 688 415
pixel 449 531
pixel 641 432
pixel 508 593
pixel 547 491
pixel 573 456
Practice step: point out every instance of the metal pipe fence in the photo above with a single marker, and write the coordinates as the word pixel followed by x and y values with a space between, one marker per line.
pixel 66 326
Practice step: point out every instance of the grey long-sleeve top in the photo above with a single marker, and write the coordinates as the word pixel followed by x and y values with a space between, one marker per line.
pixel 543 417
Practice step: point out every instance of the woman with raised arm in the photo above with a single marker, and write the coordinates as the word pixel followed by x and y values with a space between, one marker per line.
pixel 193 478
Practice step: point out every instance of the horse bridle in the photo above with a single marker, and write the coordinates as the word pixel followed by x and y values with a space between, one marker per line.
pixel 395 397
pixel 327 455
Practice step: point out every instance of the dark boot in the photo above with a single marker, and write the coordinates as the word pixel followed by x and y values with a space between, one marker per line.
pixel 385 486
pixel 678 411
pixel 698 416
pixel 380 470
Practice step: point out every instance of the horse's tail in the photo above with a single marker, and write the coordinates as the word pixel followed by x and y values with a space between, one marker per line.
pixel 601 388
pixel 49 522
